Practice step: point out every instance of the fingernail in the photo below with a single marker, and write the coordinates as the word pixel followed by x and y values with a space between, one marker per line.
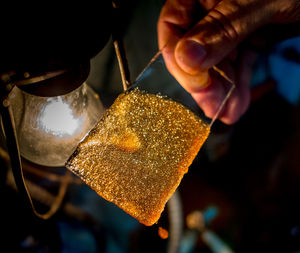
pixel 189 55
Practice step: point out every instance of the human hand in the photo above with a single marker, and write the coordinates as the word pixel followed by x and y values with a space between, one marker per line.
pixel 199 34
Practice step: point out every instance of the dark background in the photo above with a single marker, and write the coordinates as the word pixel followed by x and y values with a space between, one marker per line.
pixel 248 172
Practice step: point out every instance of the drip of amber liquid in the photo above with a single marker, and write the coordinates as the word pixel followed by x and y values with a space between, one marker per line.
pixel 163 233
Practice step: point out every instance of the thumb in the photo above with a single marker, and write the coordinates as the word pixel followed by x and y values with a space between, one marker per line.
pixel 219 32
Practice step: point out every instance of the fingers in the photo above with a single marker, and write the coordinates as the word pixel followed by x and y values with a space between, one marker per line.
pixel 175 19
pixel 207 92
pixel 210 99
pixel 189 56
pixel 219 32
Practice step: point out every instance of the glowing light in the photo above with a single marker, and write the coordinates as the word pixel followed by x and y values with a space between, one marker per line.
pixel 50 128
pixel 57 118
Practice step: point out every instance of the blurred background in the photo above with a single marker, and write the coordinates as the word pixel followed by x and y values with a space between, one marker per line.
pixel 241 193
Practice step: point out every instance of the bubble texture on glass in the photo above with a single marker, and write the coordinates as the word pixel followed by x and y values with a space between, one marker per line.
pixel 139 151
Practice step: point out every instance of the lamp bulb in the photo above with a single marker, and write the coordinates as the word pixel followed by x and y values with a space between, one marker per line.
pixel 50 128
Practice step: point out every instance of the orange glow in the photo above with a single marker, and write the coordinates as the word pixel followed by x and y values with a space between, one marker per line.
pixel 163 233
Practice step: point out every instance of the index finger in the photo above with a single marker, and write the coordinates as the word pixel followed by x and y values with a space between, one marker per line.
pixel 175 19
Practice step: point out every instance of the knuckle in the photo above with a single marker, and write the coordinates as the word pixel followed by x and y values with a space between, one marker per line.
pixel 287 11
pixel 223 24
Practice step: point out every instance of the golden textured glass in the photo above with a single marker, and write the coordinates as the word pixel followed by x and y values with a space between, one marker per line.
pixel 139 151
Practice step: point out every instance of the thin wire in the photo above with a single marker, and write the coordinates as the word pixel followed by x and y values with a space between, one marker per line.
pixel 153 59
pixel 219 71
pixel 223 74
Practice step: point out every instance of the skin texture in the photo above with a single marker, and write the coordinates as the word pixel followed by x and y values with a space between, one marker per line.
pixel 198 34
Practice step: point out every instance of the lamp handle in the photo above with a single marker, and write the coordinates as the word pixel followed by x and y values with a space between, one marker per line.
pixel 16 165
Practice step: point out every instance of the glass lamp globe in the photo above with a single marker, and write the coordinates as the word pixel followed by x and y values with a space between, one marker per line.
pixel 50 128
